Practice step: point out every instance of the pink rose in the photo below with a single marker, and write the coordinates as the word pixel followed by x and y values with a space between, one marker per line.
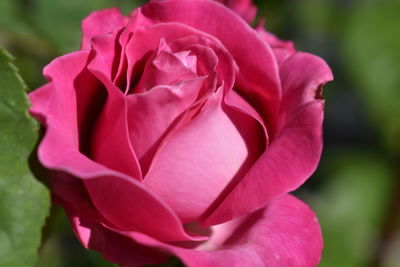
pixel 179 130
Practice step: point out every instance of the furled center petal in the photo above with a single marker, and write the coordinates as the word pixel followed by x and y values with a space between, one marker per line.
pixel 166 68
pixel 168 87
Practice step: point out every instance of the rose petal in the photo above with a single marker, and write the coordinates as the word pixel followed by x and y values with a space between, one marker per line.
pixel 234 100
pixel 196 162
pixel 115 247
pixel 106 46
pixel 294 153
pixel 257 145
pixel 68 79
pixel 284 234
pixel 87 225
pixel 129 206
pixel 161 106
pixel 123 78
pixel 101 22
pixel 303 76
pixel 83 93
pixel 258 79
pixel 110 143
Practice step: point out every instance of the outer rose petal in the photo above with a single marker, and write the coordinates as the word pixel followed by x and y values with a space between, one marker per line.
pixel 294 153
pixel 101 22
pixel 86 223
pixel 286 233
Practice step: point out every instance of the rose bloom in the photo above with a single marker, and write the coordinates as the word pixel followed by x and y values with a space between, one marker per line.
pixel 178 130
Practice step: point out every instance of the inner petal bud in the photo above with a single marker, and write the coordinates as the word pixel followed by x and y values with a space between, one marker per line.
pixel 166 68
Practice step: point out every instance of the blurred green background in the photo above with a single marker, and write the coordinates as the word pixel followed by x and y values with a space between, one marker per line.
pixel 356 190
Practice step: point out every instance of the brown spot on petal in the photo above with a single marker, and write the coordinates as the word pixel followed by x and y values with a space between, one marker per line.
pixel 318 92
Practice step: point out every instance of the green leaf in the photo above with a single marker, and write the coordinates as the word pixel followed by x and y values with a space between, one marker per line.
pixel 24 201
